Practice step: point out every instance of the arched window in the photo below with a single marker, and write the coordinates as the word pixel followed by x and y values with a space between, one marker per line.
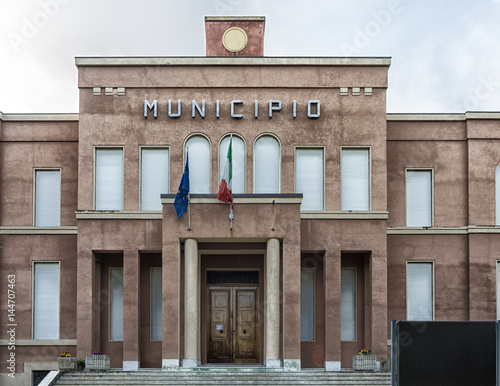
pixel 238 154
pixel 199 164
pixel 497 188
pixel 267 165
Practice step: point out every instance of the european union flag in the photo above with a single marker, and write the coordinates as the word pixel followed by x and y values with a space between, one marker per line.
pixel 181 198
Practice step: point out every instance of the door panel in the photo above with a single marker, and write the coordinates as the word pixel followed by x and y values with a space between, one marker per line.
pixel 220 345
pixel 233 334
pixel 246 342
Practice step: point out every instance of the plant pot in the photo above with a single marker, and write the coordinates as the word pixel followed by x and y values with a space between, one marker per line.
pixel 66 363
pixel 97 362
pixel 364 362
pixel 385 366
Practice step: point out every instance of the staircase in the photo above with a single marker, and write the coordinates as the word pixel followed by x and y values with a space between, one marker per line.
pixel 230 376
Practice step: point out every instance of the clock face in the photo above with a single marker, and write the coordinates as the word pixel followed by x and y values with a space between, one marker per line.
pixel 234 39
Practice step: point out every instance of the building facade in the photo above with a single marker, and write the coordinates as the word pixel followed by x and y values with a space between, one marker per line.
pixel 345 217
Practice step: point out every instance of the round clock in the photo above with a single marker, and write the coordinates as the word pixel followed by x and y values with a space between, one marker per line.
pixel 234 39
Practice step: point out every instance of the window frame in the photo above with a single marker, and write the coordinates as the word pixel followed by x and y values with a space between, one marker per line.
pixel 33 264
pixel 110 301
pixel 151 147
pixel 224 136
pixel 184 147
pixel 314 319
pixel 423 169
pixel 370 166
pixel 110 147
pixel 151 302
pixel 432 262
pixel 323 149
pixel 497 195
pixel 355 269
pixel 35 170
pixel 280 159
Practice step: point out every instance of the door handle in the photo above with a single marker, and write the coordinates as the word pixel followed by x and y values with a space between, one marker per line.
pixel 244 331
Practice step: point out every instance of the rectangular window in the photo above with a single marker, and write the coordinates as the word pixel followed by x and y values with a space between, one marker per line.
pixel 309 178
pixel 419 198
pixel 47 198
pixel 109 179
pixel 156 296
pixel 154 177
pixel 46 301
pixel 355 179
pixel 348 304
pixel 498 290
pixel 419 292
pixel 307 304
pixel 116 303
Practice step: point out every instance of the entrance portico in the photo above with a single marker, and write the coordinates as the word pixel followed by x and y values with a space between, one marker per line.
pixel 275 328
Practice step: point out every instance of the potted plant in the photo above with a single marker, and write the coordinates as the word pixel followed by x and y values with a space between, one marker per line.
pixel 66 362
pixel 364 360
pixel 385 365
pixel 97 361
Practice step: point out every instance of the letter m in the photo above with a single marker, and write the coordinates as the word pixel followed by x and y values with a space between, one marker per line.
pixel 150 106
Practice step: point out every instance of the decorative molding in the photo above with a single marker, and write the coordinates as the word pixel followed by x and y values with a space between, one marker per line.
pixel 232 61
pixel 482 115
pixel 483 229
pixel 235 18
pixel 425 117
pixel 118 215
pixel 239 199
pixel 40 342
pixel 344 215
pixel 19 230
pixel 427 231
pixel 39 117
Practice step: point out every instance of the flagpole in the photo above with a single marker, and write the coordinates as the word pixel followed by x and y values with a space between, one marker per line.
pixel 231 216
pixel 189 211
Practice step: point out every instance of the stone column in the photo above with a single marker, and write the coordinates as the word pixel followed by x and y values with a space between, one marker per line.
pixel 332 277
pixel 191 304
pixel 272 304
pixel 85 295
pixel 131 310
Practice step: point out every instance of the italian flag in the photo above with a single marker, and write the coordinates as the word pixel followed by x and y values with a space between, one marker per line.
pixel 225 189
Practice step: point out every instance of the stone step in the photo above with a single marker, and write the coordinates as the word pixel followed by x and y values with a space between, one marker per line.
pixel 255 376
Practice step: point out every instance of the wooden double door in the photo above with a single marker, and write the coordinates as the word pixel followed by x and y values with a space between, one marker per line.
pixel 233 324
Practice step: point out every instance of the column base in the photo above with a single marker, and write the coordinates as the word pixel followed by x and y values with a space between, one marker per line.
pixel 332 365
pixel 291 364
pixel 189 363
pixel 130 365
pixel 170 364
pixel 273 363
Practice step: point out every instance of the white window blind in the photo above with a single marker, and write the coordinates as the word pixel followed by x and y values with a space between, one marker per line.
pixel 419 291
pixel 348 304
pixel 309 177
pixel 307 304
pixel 419 198
pixel 47 198
pixel 109 179
pixel 238 154
pixel 156 303
pixel 116 303
pixel 498 290
pixel 46 301
pixel 154 177
pixel 497 194
pixel 267 165
pixel 199 164
pixel 355 172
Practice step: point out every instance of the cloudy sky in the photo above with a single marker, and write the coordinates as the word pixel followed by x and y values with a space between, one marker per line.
pixel 445 53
